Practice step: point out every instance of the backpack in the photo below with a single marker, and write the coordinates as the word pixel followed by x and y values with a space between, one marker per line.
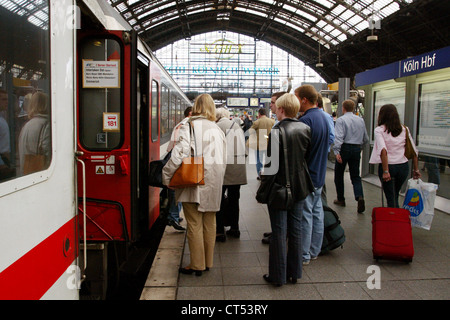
pixel 333 235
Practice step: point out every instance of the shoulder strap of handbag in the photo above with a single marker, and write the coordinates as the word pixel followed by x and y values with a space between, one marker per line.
pixel 407 132
pixel 288 181
pixel 191 128
pixel 228 131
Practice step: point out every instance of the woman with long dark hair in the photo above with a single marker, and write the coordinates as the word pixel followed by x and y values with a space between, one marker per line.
pixel 389 153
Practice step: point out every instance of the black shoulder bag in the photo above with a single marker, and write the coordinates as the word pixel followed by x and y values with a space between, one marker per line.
pixel 275 195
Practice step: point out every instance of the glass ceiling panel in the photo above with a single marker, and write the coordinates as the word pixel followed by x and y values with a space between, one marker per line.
pixel 36 11
pixel 339 19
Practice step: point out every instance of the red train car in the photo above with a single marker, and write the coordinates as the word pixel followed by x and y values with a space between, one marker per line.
pixel 126 103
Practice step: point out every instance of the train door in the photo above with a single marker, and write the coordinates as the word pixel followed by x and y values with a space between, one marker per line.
pixel 104 139
pixel 153 137
pixel 142 134
pixel 147 145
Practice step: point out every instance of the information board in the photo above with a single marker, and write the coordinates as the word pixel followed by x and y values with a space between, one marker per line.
pixel 434 117
pixel 101 74
pixel 237 102
pixel 395 96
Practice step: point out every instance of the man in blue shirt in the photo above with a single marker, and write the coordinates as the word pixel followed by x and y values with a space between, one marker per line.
pixel 312 220
pixel 350 136
pixel 330 121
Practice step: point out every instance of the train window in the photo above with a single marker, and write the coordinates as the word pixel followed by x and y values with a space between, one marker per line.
pixel 164 129
pixel 172 115
pixel 100 93
pixel 25 108
pixel 154 110
pixel 180 111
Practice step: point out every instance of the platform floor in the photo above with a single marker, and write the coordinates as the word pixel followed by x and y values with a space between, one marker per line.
pixel 239 264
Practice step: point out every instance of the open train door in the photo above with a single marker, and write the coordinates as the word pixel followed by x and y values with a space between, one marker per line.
pixel 112 138
pixel 113 126
pixel 104 139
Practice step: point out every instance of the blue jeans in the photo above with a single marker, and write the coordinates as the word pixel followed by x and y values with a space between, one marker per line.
pixel 174 208
pixel 399 174
pixel 259 158
pixel 285 261
pixel 312 225
pixel 350 154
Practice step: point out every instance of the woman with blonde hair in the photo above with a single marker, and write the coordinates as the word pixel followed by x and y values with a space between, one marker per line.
pixel 35 138
pixel 285 257
pixel 200 203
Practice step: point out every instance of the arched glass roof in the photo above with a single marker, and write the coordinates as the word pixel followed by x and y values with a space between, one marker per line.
pixel 229 64
pixel 329 22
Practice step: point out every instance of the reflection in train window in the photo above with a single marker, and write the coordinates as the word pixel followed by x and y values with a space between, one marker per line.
pixel 25 126
pixel 164 110
pixel 154 110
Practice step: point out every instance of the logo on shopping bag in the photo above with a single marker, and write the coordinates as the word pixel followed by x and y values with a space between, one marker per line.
pixel 413 202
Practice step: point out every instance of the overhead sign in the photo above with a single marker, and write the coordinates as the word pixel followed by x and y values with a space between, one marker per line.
pixel 101 74
pixel 237 102
pixel 224 70
pixel 429 61
pixel 223 49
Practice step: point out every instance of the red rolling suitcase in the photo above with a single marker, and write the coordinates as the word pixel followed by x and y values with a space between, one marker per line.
pixel 392 234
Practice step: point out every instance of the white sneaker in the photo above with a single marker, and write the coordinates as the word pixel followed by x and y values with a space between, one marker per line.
pixel 305 262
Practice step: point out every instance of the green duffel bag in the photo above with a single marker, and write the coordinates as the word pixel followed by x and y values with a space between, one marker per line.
pixel 333 235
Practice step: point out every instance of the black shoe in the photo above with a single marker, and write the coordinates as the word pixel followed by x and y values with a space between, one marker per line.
pixel 361 205
pixel 339 202
pixel 266 240
pixel 198 273
pixel 267 234
pixel 266 277
pixel 176 225
pixel 221 238
pixel 291 280
pixel 234 233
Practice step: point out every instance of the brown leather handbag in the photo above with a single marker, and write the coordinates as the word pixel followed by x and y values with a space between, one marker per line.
pixel 191 172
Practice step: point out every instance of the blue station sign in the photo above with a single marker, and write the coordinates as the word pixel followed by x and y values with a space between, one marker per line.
pixel 429 61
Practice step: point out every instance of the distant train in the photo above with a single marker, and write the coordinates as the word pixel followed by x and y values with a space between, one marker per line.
pixel 84 107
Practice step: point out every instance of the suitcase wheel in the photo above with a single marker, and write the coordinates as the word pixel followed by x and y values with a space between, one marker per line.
pixel 407 260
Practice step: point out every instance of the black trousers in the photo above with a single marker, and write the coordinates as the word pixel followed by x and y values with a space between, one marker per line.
pixel 229 209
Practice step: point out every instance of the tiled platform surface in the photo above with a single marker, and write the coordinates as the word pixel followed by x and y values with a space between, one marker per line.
pixel 342 274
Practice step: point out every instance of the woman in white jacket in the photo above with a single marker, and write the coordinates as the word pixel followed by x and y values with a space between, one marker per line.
pixel 235 175
pixel 200 203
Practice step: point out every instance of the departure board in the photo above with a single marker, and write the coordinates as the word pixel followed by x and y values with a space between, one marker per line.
pixel 395 96
pixel 434 117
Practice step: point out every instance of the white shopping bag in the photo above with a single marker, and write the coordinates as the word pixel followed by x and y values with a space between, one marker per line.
pixel 419 201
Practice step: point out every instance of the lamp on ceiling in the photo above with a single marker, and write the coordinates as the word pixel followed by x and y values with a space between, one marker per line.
pixel 372 37
pixel 319 64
